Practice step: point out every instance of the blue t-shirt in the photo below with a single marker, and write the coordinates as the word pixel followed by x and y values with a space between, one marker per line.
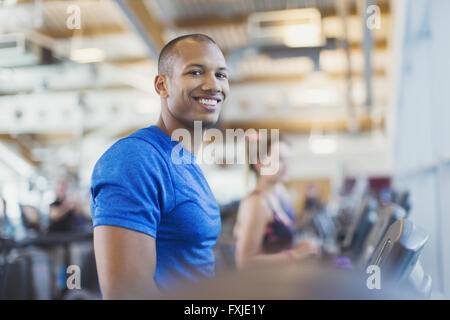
pixel 138 184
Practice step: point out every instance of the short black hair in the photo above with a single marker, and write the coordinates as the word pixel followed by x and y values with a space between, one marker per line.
pixel 165 60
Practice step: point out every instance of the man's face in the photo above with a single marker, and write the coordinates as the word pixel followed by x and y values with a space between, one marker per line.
pixel 198 85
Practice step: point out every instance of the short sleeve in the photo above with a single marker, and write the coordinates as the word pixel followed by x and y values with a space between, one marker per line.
pixel 130 187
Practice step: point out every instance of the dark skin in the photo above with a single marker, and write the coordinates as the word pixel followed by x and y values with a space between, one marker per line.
pixel 126 259
pixel 198 72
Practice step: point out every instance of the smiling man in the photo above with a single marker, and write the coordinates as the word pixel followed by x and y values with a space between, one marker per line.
pixel 156 221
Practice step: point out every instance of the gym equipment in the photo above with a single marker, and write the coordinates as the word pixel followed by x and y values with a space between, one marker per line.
pixel 397 255
pixel 386 217
pixel 405 202
pixel 26 266
pixel 357 214
pixel 325 228
pixel 27 276
pixel 366 216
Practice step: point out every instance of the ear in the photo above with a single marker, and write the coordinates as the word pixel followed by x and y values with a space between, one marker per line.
pixel 161 86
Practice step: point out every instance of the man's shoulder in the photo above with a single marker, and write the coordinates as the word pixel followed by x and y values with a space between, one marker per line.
pixel 141 146
pixel 132 146
pixel 147 138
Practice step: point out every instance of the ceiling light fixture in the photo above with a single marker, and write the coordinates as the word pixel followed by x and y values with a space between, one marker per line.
pixel 322 144
pixel 293 28
pixel 307 35
pixel 87 55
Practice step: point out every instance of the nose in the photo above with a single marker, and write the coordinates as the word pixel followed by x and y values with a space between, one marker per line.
pixel 211 83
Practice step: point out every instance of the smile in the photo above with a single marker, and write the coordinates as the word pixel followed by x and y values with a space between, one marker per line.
pixel 208 102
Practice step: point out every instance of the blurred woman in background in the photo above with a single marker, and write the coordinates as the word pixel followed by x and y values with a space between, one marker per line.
pixel 265 225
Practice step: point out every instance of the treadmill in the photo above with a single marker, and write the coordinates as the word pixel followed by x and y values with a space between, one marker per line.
pixel 386 217
pixel 365 219
pixel 397 256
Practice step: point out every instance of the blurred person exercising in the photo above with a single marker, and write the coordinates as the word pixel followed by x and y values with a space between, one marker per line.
pixel 265 225
pixel 157 221
pixel 66 213
pixel 4 221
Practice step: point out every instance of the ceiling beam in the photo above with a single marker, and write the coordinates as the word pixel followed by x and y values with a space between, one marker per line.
pixel 54 138
pixel 85 32
pixel 298 77
pixel 220 21
pixel 146 26
pixel 23 148
pixel 207 22
pixel 302 126
pixel 293 126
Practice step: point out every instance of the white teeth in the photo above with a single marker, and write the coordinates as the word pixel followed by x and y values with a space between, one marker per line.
pixel 210 102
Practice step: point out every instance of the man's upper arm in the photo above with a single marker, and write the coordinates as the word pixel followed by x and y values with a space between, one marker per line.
pixel 130 187
pixel 126 262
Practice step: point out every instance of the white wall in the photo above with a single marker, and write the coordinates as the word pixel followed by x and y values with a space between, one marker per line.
pixel 422 147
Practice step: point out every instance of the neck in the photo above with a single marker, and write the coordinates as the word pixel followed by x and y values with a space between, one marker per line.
pixel 264 185
pixel 168 124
